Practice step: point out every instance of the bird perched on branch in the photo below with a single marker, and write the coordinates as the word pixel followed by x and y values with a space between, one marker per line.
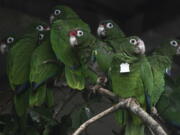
pixel 131 76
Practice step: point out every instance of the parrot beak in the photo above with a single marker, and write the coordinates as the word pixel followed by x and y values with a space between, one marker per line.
pixel 101 31
pixel 178 51
pixel 3 48
pixel 47 28
pixel 73 40
pixel 140 47
pixel 51 18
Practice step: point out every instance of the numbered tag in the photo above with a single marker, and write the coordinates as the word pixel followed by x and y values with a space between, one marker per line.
pixel 124 68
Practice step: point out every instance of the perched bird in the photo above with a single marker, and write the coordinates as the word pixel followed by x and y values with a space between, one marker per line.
pixel 18 64
pixel 168 104
pixel 64 44
pixel 131 77
pixel 74 49
pixel 42 71
pixel 62 12
pixel 19 55
pixel 110 32
pixel 161 61
pixel 6 43
pixel 110 35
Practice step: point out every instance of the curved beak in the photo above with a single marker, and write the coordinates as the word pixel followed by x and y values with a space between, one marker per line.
pixel 51 18
pixel 3 48
pixel 73 41
pixel 178 51
pixel 140 47
pixel 101 31
pixel 47 28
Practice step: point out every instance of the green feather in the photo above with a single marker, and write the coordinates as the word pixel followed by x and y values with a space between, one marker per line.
pixel 161 60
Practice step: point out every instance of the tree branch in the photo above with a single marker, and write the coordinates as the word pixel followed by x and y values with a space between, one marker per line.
pixel 129 104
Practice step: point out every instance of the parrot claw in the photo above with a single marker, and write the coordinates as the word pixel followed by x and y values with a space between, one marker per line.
pixel 102 80
pixel 95 88
pixel 154 111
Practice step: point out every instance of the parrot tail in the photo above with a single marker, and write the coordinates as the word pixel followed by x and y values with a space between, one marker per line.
pixel 22 88
pixel 120 117
pixel 75 78
pixel 37 98
pixel 21 103
pixel 134 129
pixel 35 85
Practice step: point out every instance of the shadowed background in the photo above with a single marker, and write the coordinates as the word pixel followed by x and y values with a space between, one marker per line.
pixel 149 19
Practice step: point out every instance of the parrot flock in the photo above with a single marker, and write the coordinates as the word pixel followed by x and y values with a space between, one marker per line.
pixel 65 48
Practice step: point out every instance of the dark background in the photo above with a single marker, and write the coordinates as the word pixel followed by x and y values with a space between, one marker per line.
pixel 152 20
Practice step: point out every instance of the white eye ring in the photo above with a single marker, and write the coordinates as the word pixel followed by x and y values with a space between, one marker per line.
pixel 133 41
pixel 109 25
pixel 80 33
pixel 40 28
pixel 10 40
pixel 57 12
pixel 174 43
pixel 41 36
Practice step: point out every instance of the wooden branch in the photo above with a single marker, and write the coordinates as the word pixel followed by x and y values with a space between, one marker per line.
pixel 129 104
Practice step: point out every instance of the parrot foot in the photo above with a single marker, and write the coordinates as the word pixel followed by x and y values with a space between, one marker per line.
pixel 95 88
pixel 132 101
pixel 154 111
pixel 102 80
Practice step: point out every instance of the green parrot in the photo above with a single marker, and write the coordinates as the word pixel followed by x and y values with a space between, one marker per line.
pixel 19 55
pixel 110 34
pixel 131 76
pixel 6 43
pixel 62 24
pixel 161 61
pixel 42 71
pixel 168 104
pixel 62 12
pixel 73 48
pixel 18 64
pixel 65 13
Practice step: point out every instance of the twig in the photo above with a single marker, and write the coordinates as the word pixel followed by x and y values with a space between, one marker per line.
pixel 129 104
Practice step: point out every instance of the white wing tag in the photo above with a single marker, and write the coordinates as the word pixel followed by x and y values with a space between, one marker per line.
pixel 124 68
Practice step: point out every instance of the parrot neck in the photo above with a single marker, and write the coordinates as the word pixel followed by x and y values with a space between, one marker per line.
pixel 114 37
pixel 165 52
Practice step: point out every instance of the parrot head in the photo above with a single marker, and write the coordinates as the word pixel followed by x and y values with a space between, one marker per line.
pixel 171 47
pixel 108 29
pixel 62 12
pixel 80 38
pixel 6 43
pixel 133 45
pixel 139 46
pixel 38 26
pixel 38 31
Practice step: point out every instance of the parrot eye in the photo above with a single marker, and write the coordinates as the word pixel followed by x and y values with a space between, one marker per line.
pixel 10 40
pixel 80 33
pixel 57 12
pixel 40 28
pixel 41 36
pixel 133 41
pixel 174 43
pixel 109 25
